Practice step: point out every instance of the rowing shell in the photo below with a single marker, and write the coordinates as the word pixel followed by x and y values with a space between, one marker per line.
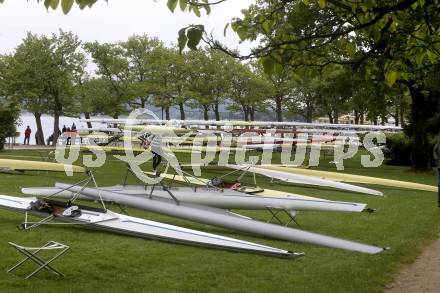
pixel 218 217
pixel 220 198
pixel 134 149
pixel 257 191
pixel 114 222
pixel 353 178
pixel 22 165
pixel 300 179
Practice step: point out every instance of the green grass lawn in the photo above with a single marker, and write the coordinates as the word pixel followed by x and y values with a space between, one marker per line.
pixel 405 221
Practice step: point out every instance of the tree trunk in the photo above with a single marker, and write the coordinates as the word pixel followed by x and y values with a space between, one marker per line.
pixel 402 113
pixel 336 117
pixel 421 153
pixel 87 116
pixel 356 117
pixel 216 111
pixel 330 117
pixel 115 116
pixel 40 135
pixel 252 113
pixel 182 111
pixel 167 113
pixel 58 107
pixel 279 108
pixel 246 114
pixel 396 115
pixel 383 119
pixel 375 120
pixel 205 112
pixel 362 118
pixel 245 110
pixel 309 113
pixel 56 127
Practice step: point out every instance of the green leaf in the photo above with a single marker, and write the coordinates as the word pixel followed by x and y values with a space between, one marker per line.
pixel 207 9
pixel 172 4
pixel 196 10
pixel 390 77
pixel 242 32
pixel 419 58
pixel 322 3
pixel 414 5
pixel 194 35
pixel 54 4
pixel 351 48
pixel 66 5
pixel 368 4
pixel 47 3
pixel 268 65
pixel 182 4
pixel 182 40
pixel 432 56
pixel 278 68
pixel 267 25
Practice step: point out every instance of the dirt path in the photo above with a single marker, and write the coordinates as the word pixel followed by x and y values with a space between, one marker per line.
pixel 421 276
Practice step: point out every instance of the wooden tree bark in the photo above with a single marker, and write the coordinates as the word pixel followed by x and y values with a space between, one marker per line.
pixel 58 107
pixel 420 113
pixel 167 113
pixel 182 111
pixel 217 111
pixel 40 135
pixel 87 116
pixel 279 108
pixel 205 112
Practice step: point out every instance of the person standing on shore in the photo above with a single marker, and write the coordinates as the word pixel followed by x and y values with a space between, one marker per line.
pixel 27 135
pixel 436 156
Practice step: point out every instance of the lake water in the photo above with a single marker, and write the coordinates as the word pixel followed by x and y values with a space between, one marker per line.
pixel 47 124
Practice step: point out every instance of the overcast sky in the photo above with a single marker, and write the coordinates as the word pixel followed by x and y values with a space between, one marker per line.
pixel 111 22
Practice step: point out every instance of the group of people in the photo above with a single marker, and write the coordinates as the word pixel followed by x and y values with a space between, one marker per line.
pixel 28 132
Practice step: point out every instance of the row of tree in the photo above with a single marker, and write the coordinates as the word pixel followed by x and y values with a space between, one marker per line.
pixel 49 75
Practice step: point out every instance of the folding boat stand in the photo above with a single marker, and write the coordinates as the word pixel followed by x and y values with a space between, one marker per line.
pixel 31 253
pixel 274 213
pixel 27 225
pixel 275 216
pixel 130 171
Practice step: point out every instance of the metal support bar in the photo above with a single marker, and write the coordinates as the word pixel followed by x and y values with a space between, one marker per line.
pixel 275 216
pixel 291 219
pixel 32 254
pixel 171 194
pixel 25 226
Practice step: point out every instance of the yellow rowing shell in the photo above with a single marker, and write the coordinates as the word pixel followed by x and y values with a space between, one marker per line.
pixel 352 178
pixel 134 149
pixel 22 165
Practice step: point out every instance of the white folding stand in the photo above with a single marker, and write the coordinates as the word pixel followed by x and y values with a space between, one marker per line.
pixel 31 253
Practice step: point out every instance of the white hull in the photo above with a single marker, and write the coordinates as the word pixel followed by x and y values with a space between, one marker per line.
pixel 218 217
pixel 224 199
pixel 119 223
pixel 303 179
